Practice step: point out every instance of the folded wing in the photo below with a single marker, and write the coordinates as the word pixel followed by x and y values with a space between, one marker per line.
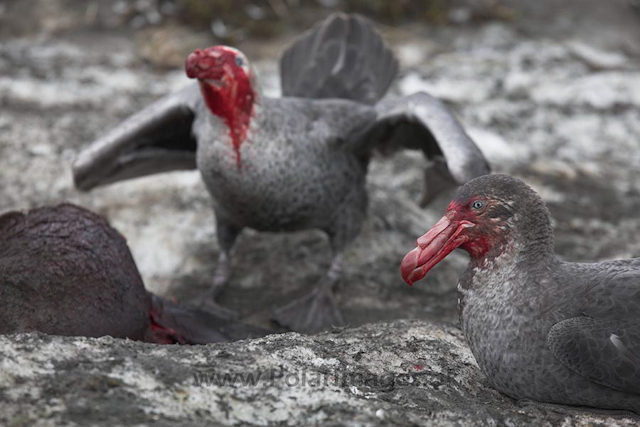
pixel 603 344
pixel 606 351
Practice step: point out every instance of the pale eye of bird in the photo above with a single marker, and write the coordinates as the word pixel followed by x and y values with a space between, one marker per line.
pixel 239 61
pixel 478 204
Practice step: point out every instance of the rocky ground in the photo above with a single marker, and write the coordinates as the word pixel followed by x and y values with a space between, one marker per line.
pixel 554 99
pixel 399 373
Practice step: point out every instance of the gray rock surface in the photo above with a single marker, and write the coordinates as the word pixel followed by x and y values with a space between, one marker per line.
pixel 545 103
pixel 398 373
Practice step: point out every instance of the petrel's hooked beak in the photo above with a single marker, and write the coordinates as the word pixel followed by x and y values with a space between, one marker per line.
pixel 192 62
pixel 205 66
pixel 433 247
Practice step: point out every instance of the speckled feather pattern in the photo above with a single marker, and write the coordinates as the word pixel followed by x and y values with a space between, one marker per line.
pixel 294 174
pixel 547 330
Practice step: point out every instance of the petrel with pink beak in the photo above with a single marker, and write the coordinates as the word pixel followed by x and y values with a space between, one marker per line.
pixel 539 328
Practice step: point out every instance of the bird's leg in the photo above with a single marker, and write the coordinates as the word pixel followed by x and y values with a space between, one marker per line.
pixel 317 310
pixel 227 235
pixel 222 274
pixel 437 179
pixel 335 270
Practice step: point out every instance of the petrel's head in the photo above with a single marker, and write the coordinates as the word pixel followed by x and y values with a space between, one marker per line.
pixel 490 215
pixel 219 66
pixel 227 83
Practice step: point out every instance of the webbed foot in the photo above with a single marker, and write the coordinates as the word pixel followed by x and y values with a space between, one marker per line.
pixel 313 313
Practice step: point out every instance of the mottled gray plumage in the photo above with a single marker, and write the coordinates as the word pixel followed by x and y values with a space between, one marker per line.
pixel 304 161
pixel 65 271
pixel 541 328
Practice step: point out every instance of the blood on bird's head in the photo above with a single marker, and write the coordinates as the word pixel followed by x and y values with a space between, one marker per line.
pixel 491 223
pixel 478 224
pixel 227 84
pixel 488 216
pixel 218 63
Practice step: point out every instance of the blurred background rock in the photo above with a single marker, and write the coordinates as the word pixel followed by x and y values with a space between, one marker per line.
pixel 167 30
pixel 234 19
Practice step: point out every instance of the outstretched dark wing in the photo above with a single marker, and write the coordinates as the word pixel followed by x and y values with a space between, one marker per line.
pixel 156 139
pixel 604 343
pixel 341 57
pixel 424 123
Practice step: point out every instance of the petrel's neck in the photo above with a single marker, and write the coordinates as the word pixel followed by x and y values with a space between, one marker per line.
pixel 235 106
pixel 535 233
